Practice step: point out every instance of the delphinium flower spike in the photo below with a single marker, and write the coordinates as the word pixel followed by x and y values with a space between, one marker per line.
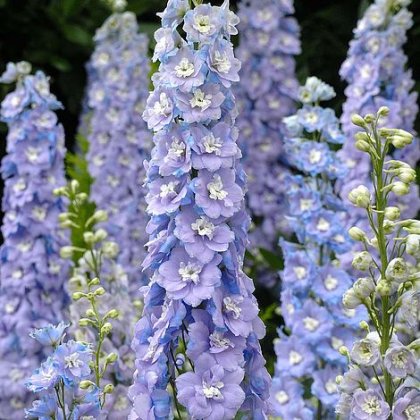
pixel 32 274
pixel 101 310
pixel 383 379
pixel 197 341
pixel 119 142
pixel 316 323
pixel 375 71
pixel 269 40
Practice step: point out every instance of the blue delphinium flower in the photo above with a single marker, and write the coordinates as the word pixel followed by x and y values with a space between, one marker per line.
pixel 312 281
pixel 376 74
pixel 119 142
pixel 32 274
pixel 208 359
pixel 269 40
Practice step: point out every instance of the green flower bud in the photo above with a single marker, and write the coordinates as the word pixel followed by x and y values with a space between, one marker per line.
pixel 392 213
pixel 90 313
pixel 383 288
pixel 369 118
pixel 100 235
pixel 106 328
pixel 407 175
pixel 363 146
pixel 344 351
pixel 364 326
pixel 81 197
pixel 100 216
pixel 111 358
pixel 362 261
pixel 94 282
pixel 388 226
pixel 60 191
pixel 99 291
pixel 108 389
pixel 400 188
pixel 113 313
pixel 89 237
pixel 78 295
pixel 357 234
pixel 84 322
pixel 86 384
pixel 110 249
pixel 358 120
pixel 383 111
pixel 74 186
pixel 360 196
pixel 66 252
pixel 362 135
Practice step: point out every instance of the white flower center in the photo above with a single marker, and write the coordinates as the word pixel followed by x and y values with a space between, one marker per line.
pixel 189 272
pixel 336 343
pixel 15 101
pixel 300 272
pixel 24 246
pixel 73 361
pixel 221 62
pixel 162 106
pixel 17 274
pixel 310 323
pixel 202 24
pixel 323 225
pixel 412 411
pixel 306 204
pixel 331 386
pixel 177 148
pixel 103 59
pixel 201 100
pixel 231 306
pixel 204 227
pixel 185 68
pixel 213 391
pixel 113 181
pixel 9 308
pixel 399 360
pixel 20 185
pixel 311 117
pixel 168 189
pixel 32 154
pixel 215 189
pixel 121 403
pixel 39 213
pixel 371 405
pixel 16 375
pixel 217 340
pixel 212 144
pixel 315 156
pixel 282 397
pixel 330 282
pixel 365 71
pixel 295 358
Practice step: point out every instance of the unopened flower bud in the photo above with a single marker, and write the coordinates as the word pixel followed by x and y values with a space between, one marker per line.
pixel 350 299
pixel 362 261
pixel 111 358
pixel 84 322
pixel 66 252
pixel 364 326
pixel 362 145
pixel 412 243
pixel 362 135
pixel 388 226
pixel 78 295
pixel 397 270
pixel 74 186
pixel 383 288
pixel 357 234
pixel 407 175
pixel 180 360
pixel 99 291
pixel 360 196
pixel 106 328
pixel 374 242
pixel 100 235
pixel 383 111
pixel 392 213
pixel 60 191
pixel 363 287
pixel 89 237
pixel 94 282
pixel 113 313
pixel 400 188
pixel 86 384
pixel 369 118
pixel 110 249
pixel 358 120
pixel 344 351
pixel 108 389
pixel 90 313
pixel 100 216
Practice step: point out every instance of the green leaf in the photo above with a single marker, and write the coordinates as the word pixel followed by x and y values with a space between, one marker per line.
pixel 77 35
pixel 273 260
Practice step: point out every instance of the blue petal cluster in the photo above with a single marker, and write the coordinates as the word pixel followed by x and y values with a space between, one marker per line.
pixel 269 40
pixel 119 141
pixel 375 71
pixel 32 274
pixel 59 378
pixel 316 323
pixel 200 326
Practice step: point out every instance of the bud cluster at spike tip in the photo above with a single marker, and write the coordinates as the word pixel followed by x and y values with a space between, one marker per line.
pixel 200 327
pixel 32 274
pixel 376 74
pixel 316 322
pixel 119 142
pixel 269 40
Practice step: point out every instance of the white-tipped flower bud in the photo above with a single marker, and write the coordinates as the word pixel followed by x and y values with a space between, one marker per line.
pixel 360 196
pixel 412 243
pixel 362 145
pixel 392 213
pixel 110 249
pixel 108 389
pixel 357 234
pixel 100 216
pixel 358 120
pixel 99 291
pixel 383 288
pixel 100 235
pixel 66 252
pixel 407 175
pixel 388 226
pixel 350 299
pixel 362 261
pixel 111 358
pixel 363 287
pixel 374 242
pixel 383 111
pixel 397 270
pixel 74 186
pixel 369 118
pixel 89 237
pixel 400 188
pixel 106 328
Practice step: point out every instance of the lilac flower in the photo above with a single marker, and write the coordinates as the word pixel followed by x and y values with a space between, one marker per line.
pixel 211 391
pixel 325 387
pixel 400 361
pixel 407 407
pixel 33 276
pixel 285 392
pixel 44 409
pixel 44 378
pixel 50 335
pixel 199 330
pixel 269 40
pixel 369 405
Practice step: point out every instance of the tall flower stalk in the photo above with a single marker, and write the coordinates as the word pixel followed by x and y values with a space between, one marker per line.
pixel 32 274
pixel 383 380
pixel 376 73
pixel 269 40
pixel 119 142
pixel 316 324
pixel 197 341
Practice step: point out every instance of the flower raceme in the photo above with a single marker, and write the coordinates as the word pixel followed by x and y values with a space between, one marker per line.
pixel 383 376
pixel 197 342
